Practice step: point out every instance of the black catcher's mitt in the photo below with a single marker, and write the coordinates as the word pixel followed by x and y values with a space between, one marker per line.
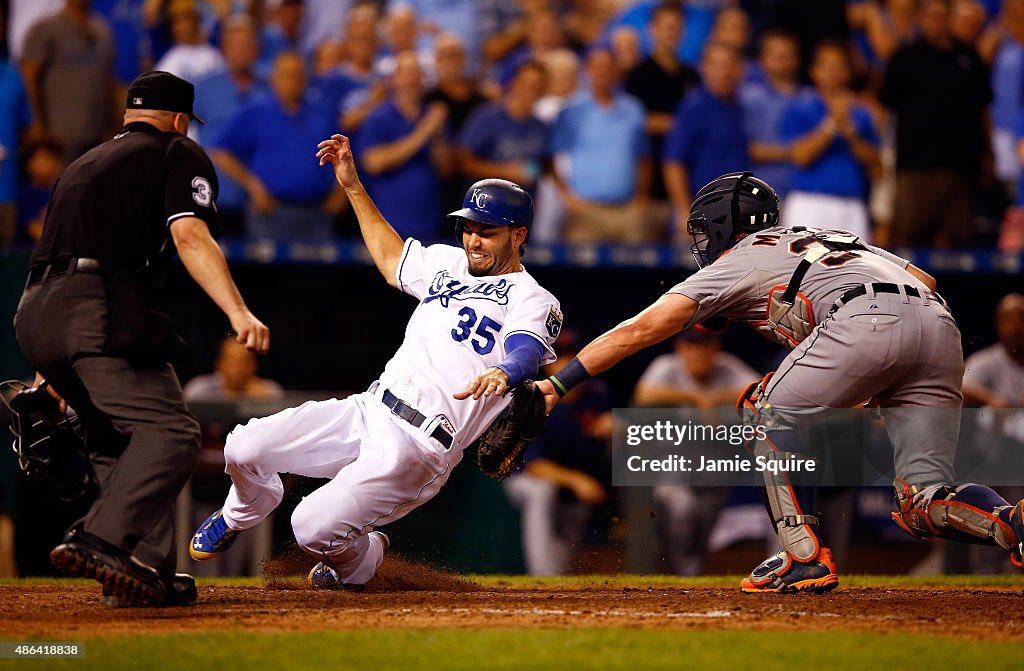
pixel 49 444
pixel 500 449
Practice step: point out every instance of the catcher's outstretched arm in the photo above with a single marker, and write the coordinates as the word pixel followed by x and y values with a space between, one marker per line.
pixel 666 317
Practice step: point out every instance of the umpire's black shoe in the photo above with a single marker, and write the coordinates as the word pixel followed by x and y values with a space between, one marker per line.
pixel 181 591
pixel 84 555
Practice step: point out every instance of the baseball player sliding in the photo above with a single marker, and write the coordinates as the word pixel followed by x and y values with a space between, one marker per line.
pixel 862 324
pixel 391 448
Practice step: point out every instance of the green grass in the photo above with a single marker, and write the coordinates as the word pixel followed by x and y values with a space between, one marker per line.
pixel 548 649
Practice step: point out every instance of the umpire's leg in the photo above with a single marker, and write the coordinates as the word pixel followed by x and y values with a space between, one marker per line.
pixel 139 484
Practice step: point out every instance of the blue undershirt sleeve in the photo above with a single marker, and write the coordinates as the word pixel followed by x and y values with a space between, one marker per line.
pixel 523 357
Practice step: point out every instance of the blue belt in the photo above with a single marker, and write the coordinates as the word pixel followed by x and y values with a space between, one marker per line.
pixel 410 414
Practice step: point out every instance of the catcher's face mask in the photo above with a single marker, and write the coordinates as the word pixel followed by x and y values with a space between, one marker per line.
pixel 49 445
pixel 697 227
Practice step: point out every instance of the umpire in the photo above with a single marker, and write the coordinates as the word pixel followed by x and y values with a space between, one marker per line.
pixel 87 324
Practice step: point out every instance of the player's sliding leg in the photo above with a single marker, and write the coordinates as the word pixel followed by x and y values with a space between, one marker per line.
pixel 804 564
pixel 315 439
pixel 396 471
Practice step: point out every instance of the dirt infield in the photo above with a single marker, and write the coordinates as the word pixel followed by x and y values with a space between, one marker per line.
pixel 413 597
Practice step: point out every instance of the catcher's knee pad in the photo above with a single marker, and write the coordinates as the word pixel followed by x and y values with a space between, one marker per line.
pixel 968 513
pixel 790 506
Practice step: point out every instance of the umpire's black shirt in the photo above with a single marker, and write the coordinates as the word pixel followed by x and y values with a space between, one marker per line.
pixel 116 202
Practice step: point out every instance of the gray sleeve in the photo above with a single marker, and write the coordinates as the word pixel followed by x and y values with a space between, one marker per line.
pixel 889 256
pixel 727 287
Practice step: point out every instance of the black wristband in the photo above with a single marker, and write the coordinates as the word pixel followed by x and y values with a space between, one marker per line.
pixel 571 375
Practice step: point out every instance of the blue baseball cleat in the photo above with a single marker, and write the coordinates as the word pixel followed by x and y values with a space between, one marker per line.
pixel 324 577
pixel 212 538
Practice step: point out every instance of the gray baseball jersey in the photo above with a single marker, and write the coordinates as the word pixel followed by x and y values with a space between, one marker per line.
pixel 903 351
pixel 737 285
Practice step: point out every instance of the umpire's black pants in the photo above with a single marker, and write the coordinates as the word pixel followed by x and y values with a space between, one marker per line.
pixel 143 441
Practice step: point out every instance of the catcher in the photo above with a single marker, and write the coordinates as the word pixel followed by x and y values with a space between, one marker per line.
pixel 862 323
pixel 390 449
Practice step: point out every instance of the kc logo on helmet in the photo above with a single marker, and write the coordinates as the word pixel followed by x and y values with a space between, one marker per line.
pixel 480 198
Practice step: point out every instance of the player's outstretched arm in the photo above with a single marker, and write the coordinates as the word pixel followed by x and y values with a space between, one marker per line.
pixel 667 316
pixel 382 241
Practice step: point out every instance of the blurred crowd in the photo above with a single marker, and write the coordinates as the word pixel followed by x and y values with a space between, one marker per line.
pixel 896 119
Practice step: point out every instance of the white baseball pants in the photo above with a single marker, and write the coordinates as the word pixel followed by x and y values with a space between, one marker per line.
pixel 381 468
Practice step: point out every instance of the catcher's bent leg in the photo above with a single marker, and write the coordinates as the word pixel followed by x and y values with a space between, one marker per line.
pixel 966 512
pixel 804 564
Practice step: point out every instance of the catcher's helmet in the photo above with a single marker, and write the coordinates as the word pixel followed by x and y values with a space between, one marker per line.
pixel 495 202
pixel 725 210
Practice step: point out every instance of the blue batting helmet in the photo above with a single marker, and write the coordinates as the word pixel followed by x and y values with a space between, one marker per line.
pixel 495 202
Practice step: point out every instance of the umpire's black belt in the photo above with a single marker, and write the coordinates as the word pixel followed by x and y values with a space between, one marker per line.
pixel 66 266
pixel 410 414
pixel 885 288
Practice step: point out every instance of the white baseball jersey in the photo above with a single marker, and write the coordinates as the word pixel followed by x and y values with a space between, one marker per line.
pixel 458 330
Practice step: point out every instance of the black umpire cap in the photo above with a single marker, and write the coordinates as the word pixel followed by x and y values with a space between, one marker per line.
pixel 158 90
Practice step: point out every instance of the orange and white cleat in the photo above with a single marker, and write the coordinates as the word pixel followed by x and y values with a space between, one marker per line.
pixel 783 574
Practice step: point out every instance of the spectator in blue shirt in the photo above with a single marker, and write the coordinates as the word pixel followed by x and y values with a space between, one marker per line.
pixel 544 34
pixel 1008 90
pixel 265 148
pixel 504 139
pixel 125 19
pixel 448 16
pixel 15 117
pixel 1011 234
pixel 282 33
pixel 699 18
pixel 405 154
pixel 834 149
pixel 605 179
pixel 764 100
pixel 220 96
pixel 359 90
pixel 708 138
